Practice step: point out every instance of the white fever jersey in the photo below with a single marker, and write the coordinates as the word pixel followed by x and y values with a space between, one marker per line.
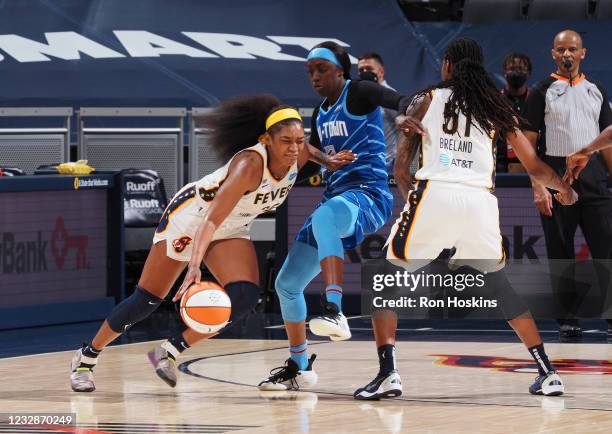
pixel 463 154
pixel 182 217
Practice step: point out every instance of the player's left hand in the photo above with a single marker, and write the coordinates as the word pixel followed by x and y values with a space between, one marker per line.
pixel 409 125
pixel 340 159
pixel 575 163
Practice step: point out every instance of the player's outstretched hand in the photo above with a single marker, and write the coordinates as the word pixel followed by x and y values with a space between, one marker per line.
pixel 409 125
pixel 194 275
pixel 575 163
pixel 341 159
pixel 542 199
pixel 567 196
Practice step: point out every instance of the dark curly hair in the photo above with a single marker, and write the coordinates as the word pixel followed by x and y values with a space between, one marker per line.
pixel 237 123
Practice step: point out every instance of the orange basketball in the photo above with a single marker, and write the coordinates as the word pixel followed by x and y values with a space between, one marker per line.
pixel 206 307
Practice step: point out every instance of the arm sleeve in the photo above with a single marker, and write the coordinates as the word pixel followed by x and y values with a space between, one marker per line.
pixel 365 96
pixel 311 168
pixel 535 108
pixel 314 132
pixel 605 115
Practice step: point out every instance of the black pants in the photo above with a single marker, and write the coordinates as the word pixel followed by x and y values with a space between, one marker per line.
pixel 592 212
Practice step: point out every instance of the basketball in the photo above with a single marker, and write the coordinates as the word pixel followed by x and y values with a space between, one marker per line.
pixel 206 307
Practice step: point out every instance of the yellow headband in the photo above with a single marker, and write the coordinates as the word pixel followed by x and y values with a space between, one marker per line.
pixel 281 115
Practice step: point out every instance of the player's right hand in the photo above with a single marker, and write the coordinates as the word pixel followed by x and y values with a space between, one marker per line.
pixel 542 199
pixel 340 159
pixel 194 275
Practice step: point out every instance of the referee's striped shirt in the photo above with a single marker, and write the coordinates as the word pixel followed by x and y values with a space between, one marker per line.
pixel 570 115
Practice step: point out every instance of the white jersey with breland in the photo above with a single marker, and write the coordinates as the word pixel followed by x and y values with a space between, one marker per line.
pixel 455 178
pixel 464 154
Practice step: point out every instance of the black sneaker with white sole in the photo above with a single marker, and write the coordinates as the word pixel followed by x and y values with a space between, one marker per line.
pixel 383 386
pixel 290 377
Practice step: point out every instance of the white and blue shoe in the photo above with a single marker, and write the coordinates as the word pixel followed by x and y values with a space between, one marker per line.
pixel 383 386
pixel 549 384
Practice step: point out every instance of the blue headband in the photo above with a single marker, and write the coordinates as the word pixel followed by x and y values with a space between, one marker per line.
pixel 325 54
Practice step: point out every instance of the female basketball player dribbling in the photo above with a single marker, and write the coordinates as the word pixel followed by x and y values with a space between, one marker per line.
pixel 464 108
pixel 209 220
pixel 356 202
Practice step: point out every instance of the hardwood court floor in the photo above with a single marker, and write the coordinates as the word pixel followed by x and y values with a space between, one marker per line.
pixel 447 393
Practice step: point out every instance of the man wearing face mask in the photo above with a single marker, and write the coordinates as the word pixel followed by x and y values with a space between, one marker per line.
pixel 372 68
pixel 517 69
pixel 570 110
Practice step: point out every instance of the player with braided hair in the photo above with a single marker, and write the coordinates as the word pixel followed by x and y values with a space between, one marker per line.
pixel 455 122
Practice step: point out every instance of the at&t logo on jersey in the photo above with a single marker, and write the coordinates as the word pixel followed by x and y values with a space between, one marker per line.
pixel 455 162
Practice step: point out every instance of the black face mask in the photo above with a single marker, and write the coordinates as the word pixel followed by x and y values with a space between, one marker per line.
pixel 369 76
pixel 516 79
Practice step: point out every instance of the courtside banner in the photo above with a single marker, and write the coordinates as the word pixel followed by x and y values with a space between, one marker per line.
pixel 479 289
pixel 61 248
pixel 144 199
pixel 520 225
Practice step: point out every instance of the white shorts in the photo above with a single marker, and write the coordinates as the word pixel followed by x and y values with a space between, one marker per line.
pixel 184 215
pixel 440 215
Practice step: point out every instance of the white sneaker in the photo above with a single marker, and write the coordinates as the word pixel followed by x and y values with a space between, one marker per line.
pixel 81 379
pixel 290 377
pixel 549 384
pixel 383 386
pixel 333 324
pixel 164 364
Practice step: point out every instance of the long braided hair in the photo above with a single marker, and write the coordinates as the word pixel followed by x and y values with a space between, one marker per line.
pixel 474 93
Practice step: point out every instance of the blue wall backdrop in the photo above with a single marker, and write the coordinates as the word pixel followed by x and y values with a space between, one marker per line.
pixel 193 53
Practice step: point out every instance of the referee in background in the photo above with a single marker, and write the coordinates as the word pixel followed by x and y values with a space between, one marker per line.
pixel 569 110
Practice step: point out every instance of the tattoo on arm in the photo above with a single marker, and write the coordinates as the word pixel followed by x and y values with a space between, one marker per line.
pixel 408 146
pixel 401 168
pixel 318 156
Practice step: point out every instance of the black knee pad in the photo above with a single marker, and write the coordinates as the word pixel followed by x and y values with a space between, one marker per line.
pixel 135 308
pixel 511 304
pixel 244 296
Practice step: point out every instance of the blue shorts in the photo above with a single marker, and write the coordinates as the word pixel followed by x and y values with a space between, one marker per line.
pixel 375 206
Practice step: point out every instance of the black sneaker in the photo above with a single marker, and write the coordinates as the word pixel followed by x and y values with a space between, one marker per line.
pixel 570 332
pixel 549 384
pixel 383 386
pixel 289 377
